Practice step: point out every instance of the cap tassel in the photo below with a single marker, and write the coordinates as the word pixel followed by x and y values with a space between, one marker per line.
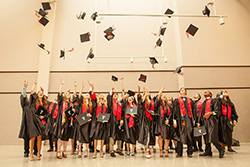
pixel 155 34
pixel 37 15
pixel 121 78
pixel 153 66
pixel 187 33
pixel 48 52
pixel 181 73
pixel 71 50
pixel 210 3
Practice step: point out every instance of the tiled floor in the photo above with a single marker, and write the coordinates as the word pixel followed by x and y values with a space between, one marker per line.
pixel 12 155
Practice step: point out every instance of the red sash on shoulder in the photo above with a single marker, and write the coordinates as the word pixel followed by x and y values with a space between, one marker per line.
pixel 208 106
pixel 149 106
pixel 227 110
pixel 199 105
pixel 131 119
pixel 183 109
pixel 99 109
pixel 117 110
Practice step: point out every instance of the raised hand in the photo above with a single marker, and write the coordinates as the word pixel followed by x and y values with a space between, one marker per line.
pixel 41 88
pixel 26 83
pixel 35 81
pixel 82 84
pixel 75 83
pixel 62 82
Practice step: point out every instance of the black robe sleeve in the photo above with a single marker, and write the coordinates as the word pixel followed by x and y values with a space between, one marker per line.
pixel 234 115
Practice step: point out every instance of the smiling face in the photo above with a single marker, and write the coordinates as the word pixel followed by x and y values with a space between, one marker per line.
pixel 170 99
pixel 130 100
pixel 207 94
pixel 183 92
pixel 197 96
pixel 115 96
pixel 67 95
pixel 163 98
pixel 225 93
pixel 40 94
pixel 86 96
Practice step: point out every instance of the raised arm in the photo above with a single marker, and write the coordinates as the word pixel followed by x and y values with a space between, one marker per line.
pixel 139 92
pixel 61 87
pixel 92 87
pixel 33 87
pixel 80 93
pixel 123 91
pixel 160 92
pixel 75 85
pixel 25 88
pixel 145 94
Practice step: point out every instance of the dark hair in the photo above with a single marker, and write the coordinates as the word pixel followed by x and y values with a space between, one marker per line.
pixel 183 88
pixel 199 96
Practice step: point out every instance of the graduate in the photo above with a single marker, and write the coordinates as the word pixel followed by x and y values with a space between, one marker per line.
pixel 197 113
pixel 229 119
pixel 27 121
pixel 85 104
pixel 50 126
pixel 99 129
pixel 184 122
pixel 64 121
pixel 164 125
pixel 210 118
pixel 115 125
pixel 147 136
pixel 130 122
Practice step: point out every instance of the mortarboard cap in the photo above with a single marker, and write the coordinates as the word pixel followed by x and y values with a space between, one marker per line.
pixel 44 21
pixel 192 30
pixel 143 78
pixel 108 30
pixel 162 30
pixel 85 37
pixel 42 12
pixel 90 55
pixel 168 12
pixel 46 5
pixel 41 45
pixel 206 11
pixel 114 78
pixel 94 16
pixel 178 70
pixel 159 42
pixel 109 36
pixel 81 15
pixel 131 93
pixel 153 60
pixel 62 54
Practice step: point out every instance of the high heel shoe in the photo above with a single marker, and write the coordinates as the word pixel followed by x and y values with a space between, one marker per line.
pixel 94 155
pixel 58 155
pixel 86 154
pixel 64 154
pixel 101 154
pixel 38 156
pixel 166 153
pixel 32 157
pixel 161 153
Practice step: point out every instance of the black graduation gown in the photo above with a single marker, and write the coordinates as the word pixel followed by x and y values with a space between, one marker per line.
pixel 62 131
pixel 212 123
pixel 130 133
pixel 50 122
pixel 113 127
pixel 147 133
pixel 226 132
pixel 98 129
pixel 27 119
pixel 82 133
pixel 183 133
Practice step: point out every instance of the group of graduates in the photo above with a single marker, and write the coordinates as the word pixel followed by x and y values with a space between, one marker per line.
pixel 87 118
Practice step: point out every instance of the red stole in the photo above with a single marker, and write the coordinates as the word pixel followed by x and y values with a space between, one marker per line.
pixel 199 105
pixel 55 112
pixel 208 106
pixel 227 110
pixel 149 106
pixel 117 110
pixel 85 108
pixel 183 109
pixel 131 119
pixel 99 109
pixel 163 110
pixel 51 107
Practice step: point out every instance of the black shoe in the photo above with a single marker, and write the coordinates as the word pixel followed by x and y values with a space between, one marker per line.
pixel 26 154
pixel 172 148
pixel 206 154
pixel 120 153
pixel 200 149
pixel 91 150
pixel 190 156
pixel 232 151
pixel 221 153
pixel 35 153
pixel 178 156
pixel 112 155
pixel 98 151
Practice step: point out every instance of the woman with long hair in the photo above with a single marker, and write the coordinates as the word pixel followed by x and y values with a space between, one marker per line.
pixel 64 122
pixel 85 104
pixel 39 105
pixel 147 136
pixel 99 129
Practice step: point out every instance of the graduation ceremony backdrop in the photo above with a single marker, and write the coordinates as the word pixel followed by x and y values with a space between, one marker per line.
pixel 217 57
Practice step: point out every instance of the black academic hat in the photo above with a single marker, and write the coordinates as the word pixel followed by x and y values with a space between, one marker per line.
pixel 192 30
pixel 178 70
pixel 108 30
pixel 42 12
pixel 162 30
pixel 85 37
pixel 94 16
pixel 46 5
pixel 90 55
pixel 206 11
pixel 82 15
pixel 143 78
pixel 109 36
pixel 131 93
pixel 153 60
pixel 159 42
pixel 41 45
pixel 62 54
pixel 169 11
pixel 43 21
pixel 114 78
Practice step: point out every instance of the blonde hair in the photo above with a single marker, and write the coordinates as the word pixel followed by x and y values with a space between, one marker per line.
pixel 99 101
pixel 64 97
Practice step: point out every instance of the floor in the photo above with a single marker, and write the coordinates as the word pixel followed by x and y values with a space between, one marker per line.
pixel 12 155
